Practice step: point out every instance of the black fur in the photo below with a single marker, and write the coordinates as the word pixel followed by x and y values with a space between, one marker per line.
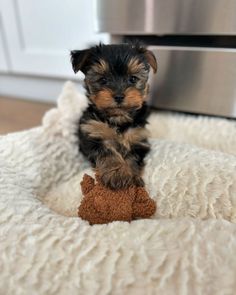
pixel 116 79
pixel 117 57
pixel 92 148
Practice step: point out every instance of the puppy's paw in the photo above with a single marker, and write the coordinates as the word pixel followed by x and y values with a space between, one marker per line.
pixel 117 179
pixel 138 181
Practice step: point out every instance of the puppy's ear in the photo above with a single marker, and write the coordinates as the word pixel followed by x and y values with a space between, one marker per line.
pixel 149 55
pixel 151 59
pixel 79 59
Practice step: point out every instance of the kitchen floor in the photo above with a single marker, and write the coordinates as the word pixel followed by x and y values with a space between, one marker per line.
pixel 16 114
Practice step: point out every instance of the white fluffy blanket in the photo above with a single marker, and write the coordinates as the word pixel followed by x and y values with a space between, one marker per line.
pixel 188 247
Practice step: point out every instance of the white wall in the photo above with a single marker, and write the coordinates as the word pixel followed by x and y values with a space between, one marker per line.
pixel 35 41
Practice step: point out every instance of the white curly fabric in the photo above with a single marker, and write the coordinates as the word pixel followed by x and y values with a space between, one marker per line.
pixel 188 247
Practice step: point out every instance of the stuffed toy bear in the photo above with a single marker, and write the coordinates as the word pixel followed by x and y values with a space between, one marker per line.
pixel 102 205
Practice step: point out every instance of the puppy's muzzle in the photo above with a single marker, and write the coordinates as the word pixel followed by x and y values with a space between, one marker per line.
pixel 119 98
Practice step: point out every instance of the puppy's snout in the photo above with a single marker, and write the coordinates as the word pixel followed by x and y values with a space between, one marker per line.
pixel 119 98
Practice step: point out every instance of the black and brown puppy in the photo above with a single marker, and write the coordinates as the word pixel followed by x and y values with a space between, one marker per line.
pixel 112 132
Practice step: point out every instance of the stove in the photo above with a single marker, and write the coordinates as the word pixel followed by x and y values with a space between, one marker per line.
pixel 195 46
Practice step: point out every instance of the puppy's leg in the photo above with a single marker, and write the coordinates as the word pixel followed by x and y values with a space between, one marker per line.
pixel 123 167
pixel 119 162
pixel 97 144
pixel 135 158
pixel 117 168
pixel 115 172
pixel 136 148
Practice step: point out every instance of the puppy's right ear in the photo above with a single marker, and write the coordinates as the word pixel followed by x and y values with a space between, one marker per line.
pixel 79 59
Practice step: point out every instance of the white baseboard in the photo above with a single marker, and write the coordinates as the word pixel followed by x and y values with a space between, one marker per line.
pixel 32 88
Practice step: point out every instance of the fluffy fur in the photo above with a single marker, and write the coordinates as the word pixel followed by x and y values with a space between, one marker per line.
pixel 112 129
pixel 43 252
pixel 101 205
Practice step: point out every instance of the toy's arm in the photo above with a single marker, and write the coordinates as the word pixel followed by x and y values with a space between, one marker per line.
pixel 87 184
pixel 143 206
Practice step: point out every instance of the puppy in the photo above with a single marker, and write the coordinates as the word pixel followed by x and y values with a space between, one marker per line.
pixel 112 132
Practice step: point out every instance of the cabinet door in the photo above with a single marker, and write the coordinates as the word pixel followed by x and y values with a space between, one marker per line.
pixel 3 56
pixel 40 34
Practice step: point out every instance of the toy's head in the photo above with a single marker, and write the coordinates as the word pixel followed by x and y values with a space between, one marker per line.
pixel 115 75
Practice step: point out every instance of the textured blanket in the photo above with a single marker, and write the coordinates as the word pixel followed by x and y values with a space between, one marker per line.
pixel 188 247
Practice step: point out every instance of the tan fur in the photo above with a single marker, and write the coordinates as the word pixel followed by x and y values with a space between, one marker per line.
pixel 120 119
pixel 133 98
pixel 118 173
pixel 101 67
pixel 151 60
pixel 134 136
pixel 97 129
pixel 134 66
pixel 103 99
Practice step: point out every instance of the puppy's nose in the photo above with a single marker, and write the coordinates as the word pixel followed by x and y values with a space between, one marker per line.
pixel 119 98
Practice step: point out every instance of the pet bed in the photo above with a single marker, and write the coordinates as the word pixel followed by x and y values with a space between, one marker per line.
pixel 188 247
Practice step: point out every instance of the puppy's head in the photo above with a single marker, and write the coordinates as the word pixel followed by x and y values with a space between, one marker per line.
pixel 115 75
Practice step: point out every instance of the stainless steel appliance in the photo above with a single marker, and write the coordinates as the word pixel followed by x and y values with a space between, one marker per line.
pixel 195 45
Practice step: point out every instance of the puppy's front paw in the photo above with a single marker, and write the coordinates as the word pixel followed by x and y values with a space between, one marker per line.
pixel 138 181
pixel 117 179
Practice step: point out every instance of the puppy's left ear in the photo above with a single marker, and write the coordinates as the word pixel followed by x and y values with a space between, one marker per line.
pixel 151 59
pixel 79 59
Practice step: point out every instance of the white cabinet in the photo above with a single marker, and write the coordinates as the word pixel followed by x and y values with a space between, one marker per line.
pixel 35 42
pixel 3 54
pixel 3 57
pixel 40 34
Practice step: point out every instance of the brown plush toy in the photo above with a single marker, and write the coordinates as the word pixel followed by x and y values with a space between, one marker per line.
pixel 102 205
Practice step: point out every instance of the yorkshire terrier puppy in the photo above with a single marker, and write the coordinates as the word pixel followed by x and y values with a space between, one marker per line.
pixel 112 132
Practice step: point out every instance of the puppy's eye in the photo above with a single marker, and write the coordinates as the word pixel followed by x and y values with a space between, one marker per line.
pixel 133 79
pixel 103 80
